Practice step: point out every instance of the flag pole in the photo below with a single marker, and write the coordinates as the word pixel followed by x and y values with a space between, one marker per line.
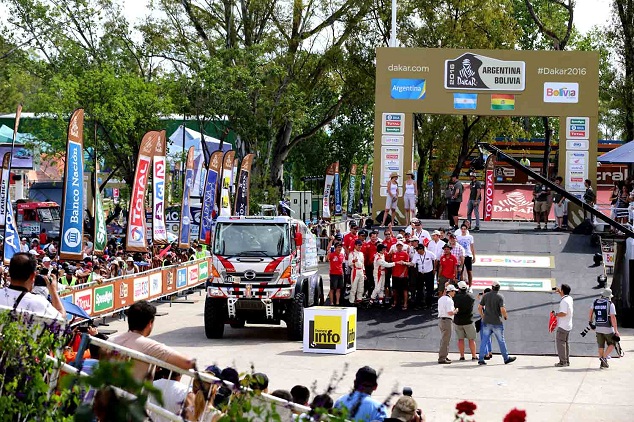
pixel 393 29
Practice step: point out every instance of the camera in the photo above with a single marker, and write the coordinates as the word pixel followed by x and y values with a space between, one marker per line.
pixel 407 391
pixel 590 326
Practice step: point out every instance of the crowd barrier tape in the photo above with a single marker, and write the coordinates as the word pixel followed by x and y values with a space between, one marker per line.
pixel 113 295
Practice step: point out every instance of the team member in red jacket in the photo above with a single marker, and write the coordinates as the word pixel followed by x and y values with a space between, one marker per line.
pixel 336 260
pixel 400 275
pixel 388 241
pixel 447 265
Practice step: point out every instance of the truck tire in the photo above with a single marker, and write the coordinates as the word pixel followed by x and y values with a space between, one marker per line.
pixel 295 320
pixel 214 318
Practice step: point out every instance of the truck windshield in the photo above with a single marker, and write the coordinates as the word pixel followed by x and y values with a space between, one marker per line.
pixel 247 239
pixel 48 215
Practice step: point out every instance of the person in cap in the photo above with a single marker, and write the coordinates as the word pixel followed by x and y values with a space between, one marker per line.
pixel 389 241
pixel 359 403
pixel 492 310
pixel 419 232
pixel 24 245
pixel 424 267
pixel 447 264
pixel 411 193
pixel 475 195
pixel 603 314
pixel 446 312
pixel 380 264
pixel 130 266
pixel 391 200
pixel 357 277
pixel 463 320
pixel 400 276
pixel 435 244
pixel 405 410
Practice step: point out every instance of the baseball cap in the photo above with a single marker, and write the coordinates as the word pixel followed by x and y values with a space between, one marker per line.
pixel 415 220
pixel 462 285
pixel 446 246
pixel 419 247
pixel 46 259
pixel 436 232
pixel 399 236
pixel 338 236
pixel 363 232
pixel 358 242
pixel 451 288
pixel 495 283
pixel 414 239
pixel 231 375
pixel 404 409
pixel 353 225
pixel 399 243
pixel 452 235
pixel 366 376
pixel 606 293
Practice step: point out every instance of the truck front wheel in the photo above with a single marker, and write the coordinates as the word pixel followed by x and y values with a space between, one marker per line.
pixel 214 318
pixel 295 320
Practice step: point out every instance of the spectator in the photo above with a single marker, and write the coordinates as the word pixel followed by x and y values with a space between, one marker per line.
pixel 455 200
pixel 173 392
pixel 17 295
pixel 405 410
pixel 140 323
pixel 359 404
pixel 447 265
pixel 283 394
pixel 603 312
pixel 463 320
pixel 564 325
pixel 540 206
pixel 467 242
pixel 259 382
pixel 24 245
pixel 475 194
pixel 131 267
pixel 492 310
pixel 488 347
pixel 446 312
pixel 561 206
pixel 301 395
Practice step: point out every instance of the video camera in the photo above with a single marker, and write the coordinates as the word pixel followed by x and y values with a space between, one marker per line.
pixel 591 326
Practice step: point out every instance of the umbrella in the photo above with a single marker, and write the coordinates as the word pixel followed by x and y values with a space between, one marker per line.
pixel 73 309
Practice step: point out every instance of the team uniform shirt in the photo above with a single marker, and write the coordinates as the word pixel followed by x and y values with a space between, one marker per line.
pixel 369 250
pixel 565 305
pixel 425 262
pixel 30 302
pixel 336 261
pixel 400 270
pixel 355 260
pixel 348 241
pixel 379 266
pixel 448 264
pixel 445 305
pixel 465 242
pixel 435 247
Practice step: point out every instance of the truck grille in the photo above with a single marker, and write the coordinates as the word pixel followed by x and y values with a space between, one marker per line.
pixel 258 278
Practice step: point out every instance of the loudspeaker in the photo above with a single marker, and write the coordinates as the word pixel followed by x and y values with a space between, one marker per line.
pixel 584 228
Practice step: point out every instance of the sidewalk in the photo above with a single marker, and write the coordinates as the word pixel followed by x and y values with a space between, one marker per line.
pixel 578 393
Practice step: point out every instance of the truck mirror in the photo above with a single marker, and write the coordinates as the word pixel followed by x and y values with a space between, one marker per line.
pixel 298 239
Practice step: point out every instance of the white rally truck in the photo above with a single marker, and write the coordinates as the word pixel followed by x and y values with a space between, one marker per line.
pixel 264 271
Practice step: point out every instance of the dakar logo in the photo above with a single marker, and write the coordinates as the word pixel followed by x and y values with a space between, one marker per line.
pixel 514 202
pixel 74 127
pixel 466 72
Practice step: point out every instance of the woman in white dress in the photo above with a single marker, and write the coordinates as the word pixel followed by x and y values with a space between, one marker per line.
pixel 411 193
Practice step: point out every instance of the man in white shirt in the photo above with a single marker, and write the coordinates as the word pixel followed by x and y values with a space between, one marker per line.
pixel 564 325
pixel 424 262
pixel 416 229
pixel 446 311
pixel 466 241
pixel 435 246
pixel 18 294
pixel 24 245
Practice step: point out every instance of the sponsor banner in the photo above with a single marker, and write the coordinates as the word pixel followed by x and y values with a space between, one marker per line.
pixel 159 230
pixel 225 183
pixel 577 163
pixel 608 249
pixel 141 288
pixel 192 274
pixel 103 298
pixel 101 235
pixel 186 223
pixel 11 237
pixel 502 102
pixel 561 92
pixel 244 179
pixel 408 89
pixel 338 200
pixel 72 221
pixel 4 187
pixel 209 209
pixel 136 236
pixel 393 124
pixel 392 140
pixel 352 188
pixel 173 220
pixel 515 284
pixel 476 72
pixel 169 280
pixel 489 189
pixel 328 181
pixel 83 299
pixel 234 174
pixel 352 331
pixel 519 261
pixel 465 101
pixel 362 189
pixel 577 128
pixel 392 159
pixel 577 145
pixel 181 278
pixel 123 292
pixel 203 271
pixel 156 284
pixel 371 197
pixel 325 332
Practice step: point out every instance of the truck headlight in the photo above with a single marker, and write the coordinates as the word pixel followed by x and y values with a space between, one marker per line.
pixel 214 292
pixel 283 294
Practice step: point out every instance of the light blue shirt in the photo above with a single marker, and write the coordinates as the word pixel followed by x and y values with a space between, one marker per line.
pixel 367 409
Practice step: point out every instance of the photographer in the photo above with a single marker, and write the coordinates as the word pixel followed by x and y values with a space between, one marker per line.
pixel 564 325
pixel 405 410
pixel 603 313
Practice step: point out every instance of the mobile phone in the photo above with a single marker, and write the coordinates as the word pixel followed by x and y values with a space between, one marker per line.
pixel 554 289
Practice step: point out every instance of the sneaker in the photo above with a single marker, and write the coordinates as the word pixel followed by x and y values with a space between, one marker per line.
pixel 474 358
pixel 481 362
pixel 448 360
pixel 604 363
pixel 461 357
pixel 510 359
pixel 560 365
pixel 489 356
pixel 476 228
pixel 545 226
pixel 444 362
pixel 537 228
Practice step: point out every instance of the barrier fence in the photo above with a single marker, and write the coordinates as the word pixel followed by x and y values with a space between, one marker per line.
pixel 113 295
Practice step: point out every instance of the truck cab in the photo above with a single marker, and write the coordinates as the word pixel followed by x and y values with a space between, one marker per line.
pixel 32 217
pixel 264 271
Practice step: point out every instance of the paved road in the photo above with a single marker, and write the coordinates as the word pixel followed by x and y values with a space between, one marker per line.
pixel 579 393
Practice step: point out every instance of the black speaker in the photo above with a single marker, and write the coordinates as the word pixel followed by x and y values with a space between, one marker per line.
pixel 584 228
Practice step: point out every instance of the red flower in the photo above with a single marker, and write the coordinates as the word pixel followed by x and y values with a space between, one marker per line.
pixel 515 415
pixel 466 407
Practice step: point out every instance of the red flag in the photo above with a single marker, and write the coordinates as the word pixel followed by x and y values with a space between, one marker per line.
pixel 552 322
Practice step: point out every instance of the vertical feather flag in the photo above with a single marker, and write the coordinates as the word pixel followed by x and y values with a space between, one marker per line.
pixel 101 235
pixel 352 188
pixel 209 197
pixel 338 202
pixel 72 229
pixel 11 238
pixel 330 176
pixel 159 231
pixel 186 222
pixel 242 193
pixel 225 191
pixel 362 188
pixel 136 236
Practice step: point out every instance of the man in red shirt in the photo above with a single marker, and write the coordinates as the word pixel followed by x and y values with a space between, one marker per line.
pixel 336 260
pixel 400 275
pixel 389 240
pixel 350 237
pixel 369 250
pixel 447 265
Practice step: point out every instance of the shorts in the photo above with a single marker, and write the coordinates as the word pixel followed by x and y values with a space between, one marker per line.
pixel 410 202
pixel 561 210
pixel 602 339
pixel 400 283
pixel 336 281
pixel 390 203
pixel 442 280
pixel 453 208
pixel 468 263
pixel 541 206
pixel 465 331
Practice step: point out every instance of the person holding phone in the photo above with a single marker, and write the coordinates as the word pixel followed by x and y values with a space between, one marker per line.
pixel 564 325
